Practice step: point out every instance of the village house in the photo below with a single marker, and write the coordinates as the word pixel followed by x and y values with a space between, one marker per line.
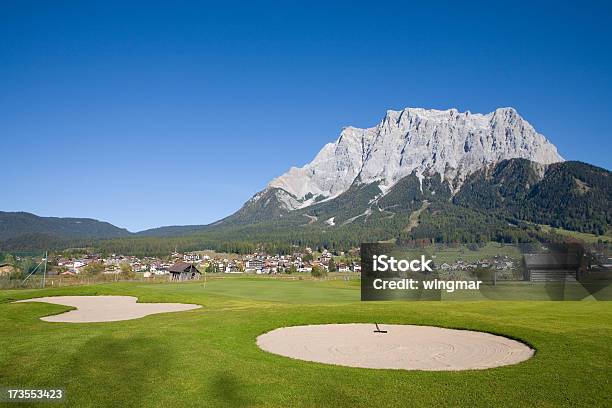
pixel 554 266
pixel 6 269
pixel 305 267
pixel 159 269
pixel 138 267
pixel 254 265
pixel 68 273
pixel 111 270
pixel 325 257
pixel 191 257
pixel 63 262
pixel 182 271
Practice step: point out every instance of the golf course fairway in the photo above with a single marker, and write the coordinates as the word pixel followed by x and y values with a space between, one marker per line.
pixel 209 357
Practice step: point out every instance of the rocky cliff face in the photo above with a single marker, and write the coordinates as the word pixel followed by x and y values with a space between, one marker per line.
pixel 425 142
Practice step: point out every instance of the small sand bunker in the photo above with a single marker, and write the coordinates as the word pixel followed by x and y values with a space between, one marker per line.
pixel 92 309
pixel 402 347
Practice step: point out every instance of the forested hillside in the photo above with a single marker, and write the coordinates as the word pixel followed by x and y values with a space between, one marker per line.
pixel 571 195
pixel 16 224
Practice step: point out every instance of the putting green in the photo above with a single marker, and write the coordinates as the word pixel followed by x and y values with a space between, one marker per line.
pixel 209 356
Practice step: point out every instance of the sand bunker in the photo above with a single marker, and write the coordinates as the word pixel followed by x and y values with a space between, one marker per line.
pixel 402 347
pixel 92 309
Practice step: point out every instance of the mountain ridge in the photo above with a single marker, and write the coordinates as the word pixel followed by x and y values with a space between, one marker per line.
pixel 451 143
pixel 14 224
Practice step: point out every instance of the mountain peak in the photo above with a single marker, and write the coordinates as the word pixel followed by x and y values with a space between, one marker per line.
pixel 416 140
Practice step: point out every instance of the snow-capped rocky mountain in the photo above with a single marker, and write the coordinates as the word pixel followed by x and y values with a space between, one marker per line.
pixel 451 143
pixel 415 142
pixel 425 142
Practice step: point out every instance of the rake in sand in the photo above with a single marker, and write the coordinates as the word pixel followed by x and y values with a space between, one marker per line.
pixel 378 329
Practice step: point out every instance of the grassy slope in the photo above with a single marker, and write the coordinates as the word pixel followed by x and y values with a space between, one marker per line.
pixel 208 357
pixel 582 236
pixel 461 252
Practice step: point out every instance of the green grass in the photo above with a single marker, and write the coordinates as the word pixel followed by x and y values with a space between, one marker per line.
pixel 582 236
pixel 208 357
pixel 461 252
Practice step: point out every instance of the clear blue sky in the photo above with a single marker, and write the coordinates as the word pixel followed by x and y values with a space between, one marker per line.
pixel 149 114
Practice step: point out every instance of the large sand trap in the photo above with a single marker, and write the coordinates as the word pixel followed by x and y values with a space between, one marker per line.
pixel 402 347
pixel 92 309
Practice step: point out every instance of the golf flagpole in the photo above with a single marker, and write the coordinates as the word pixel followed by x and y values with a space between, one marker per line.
pixel 45 269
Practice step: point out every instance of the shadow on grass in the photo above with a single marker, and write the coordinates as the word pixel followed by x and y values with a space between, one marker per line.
pixel 128 366
pixel 228 390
